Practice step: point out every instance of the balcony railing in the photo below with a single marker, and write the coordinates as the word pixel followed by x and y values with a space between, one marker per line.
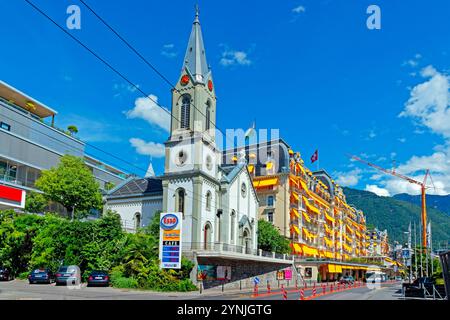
pixel 224 247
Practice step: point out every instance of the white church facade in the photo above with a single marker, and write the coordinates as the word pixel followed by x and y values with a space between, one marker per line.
pixel 218 202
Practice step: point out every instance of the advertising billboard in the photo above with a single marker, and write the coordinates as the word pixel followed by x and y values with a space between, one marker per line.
pixel 170 240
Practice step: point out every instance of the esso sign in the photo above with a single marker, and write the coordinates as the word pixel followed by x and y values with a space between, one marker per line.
pixel 169 222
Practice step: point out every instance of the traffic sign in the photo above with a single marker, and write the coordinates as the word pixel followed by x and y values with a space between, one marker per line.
pixel 256 280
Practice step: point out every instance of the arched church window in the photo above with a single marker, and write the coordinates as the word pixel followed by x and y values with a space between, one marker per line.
pixel 185 111
pixel 208 116
pixel 180 195
pixel 137 220
pixel 233 223
pixel 208 201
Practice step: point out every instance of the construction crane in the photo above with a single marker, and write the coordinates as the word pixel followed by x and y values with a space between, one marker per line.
pixel 422 185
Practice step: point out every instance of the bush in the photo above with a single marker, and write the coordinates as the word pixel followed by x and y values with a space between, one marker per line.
pixel 31 241
pixel 23 275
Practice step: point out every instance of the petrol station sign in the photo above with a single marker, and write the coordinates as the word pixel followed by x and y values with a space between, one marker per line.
pixel 170 240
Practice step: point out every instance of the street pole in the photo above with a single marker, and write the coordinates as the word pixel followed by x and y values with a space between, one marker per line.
pixel 415 248
pixel 409 252
pixel 421 265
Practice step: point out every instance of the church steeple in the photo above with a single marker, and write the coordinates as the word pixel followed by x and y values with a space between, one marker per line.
pixel 195 57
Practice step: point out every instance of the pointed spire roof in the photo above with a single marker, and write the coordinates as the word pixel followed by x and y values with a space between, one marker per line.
pixel 150 172
pixel 195 58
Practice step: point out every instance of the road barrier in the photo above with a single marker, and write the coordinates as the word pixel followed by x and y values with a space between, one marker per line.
pixel 302 294
pixel 284 292
pixel 255 290
pixel 314 290
pixel 324 289
pixel 268 287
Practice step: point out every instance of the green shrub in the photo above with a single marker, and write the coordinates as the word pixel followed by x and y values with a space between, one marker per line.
pixel 125 283
pixel 23 275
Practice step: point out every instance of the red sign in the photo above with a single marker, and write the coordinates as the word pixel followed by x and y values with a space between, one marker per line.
pixel 11 194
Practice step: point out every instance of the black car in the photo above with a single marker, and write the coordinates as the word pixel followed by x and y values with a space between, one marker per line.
pixel 42 275
pixel 5 274
pixel 98 278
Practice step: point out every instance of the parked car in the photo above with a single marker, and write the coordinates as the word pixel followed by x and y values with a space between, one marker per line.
pixel 68 275
pixel 398 278
pixel 347 280
pixel 98 278
pixel 42 275
pixel 5 274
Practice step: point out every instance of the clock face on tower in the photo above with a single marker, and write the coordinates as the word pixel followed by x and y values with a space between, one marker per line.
pixel 210 85
pixel 184 80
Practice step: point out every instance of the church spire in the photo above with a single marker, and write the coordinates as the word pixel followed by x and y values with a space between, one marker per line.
pixel 195 58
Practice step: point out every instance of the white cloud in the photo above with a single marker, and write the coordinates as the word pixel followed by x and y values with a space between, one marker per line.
pixel 232 57
pixel 377 190
pixel 168 50
pixel 402 140
pixel 147 109
pixel 429 102
pixel 350 178
pixel 413 62
pixel 299 9
pixel 148 148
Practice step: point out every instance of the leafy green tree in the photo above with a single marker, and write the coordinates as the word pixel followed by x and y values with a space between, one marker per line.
pixel 35 202
pixel 72 130
pixel 270 239
pixel 71 184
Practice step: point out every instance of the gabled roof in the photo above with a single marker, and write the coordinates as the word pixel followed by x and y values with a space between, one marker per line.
pixel 138 186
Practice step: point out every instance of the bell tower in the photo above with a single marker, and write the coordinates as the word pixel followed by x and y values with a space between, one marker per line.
pixel 194 99
pixel 190 182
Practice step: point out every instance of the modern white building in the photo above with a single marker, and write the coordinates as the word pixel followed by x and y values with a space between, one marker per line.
pixel 30 142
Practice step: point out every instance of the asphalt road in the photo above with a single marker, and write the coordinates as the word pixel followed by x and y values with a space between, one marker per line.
pixel 21 290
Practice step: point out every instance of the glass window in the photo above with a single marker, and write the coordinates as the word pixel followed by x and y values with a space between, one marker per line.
pixel 208 201
pixel 5 126
pixel 270 217
pixel 270 200
pixel 180 201
pixel 233 218
pixel 208 116
pixel 185 112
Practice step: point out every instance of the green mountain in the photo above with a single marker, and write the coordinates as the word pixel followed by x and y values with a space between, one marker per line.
pixel 441 203
pixel 394 215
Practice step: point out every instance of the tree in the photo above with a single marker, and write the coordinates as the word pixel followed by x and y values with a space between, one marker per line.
pixel 270 239
pixel 72 185
pixel 72 130
pixel 35 202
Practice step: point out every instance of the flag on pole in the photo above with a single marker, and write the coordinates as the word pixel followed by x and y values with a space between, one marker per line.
pixel 315 156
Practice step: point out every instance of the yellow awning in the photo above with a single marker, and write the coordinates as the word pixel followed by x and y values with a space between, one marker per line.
pixel 295 195
pixel 317 199
pixel 307 218
pixel 303 184
pixel 308 234
pixel 269 165
pixel 265 182
pixel 296 229
pixel 311 207
pixel 295 212
pixel 331 268
pixel 310 251
pixel 329 218
pixel 250 168
pixel 338 268
pixel 297 249
pixel 293 181
pixel 328 230
pixel 329 242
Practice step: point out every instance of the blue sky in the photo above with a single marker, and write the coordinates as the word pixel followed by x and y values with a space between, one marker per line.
pixel 309 68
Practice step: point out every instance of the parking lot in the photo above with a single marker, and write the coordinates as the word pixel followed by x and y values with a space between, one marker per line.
pixel 22 290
